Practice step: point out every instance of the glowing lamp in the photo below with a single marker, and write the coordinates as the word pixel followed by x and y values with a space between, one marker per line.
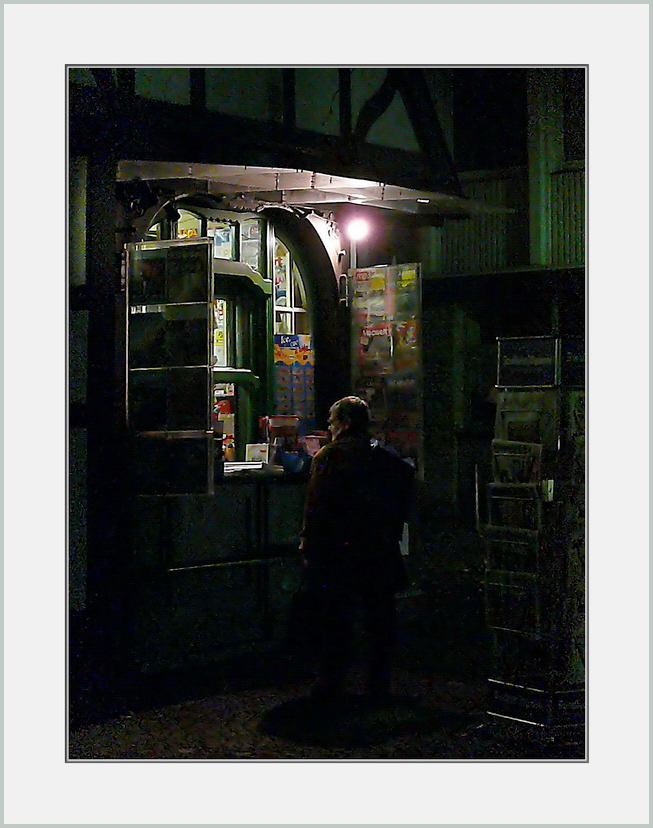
pixel 358 229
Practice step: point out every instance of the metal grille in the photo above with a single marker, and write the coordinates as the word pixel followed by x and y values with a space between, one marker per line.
pixel 568 217
pixel 486 243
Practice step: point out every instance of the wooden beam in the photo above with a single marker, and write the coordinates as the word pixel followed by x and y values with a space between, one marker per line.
pixel 198 88
pixel 545 154
pixel 78 298
pixel 105 391
pixel 289 100
pixel 344 83
pixel 157 131
pixel 105 82
pixel 77 415
pixel 424 119
pixel 126 82
pixel 375 106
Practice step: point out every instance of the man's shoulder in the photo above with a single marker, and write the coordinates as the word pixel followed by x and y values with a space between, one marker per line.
pixel 338 451
pixel 390 459
pixel 326 453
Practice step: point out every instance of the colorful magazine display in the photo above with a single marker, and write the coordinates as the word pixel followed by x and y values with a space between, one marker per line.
pixel 294 361
pixel 386 364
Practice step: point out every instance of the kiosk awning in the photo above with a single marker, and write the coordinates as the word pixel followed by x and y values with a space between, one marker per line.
pixel 246 187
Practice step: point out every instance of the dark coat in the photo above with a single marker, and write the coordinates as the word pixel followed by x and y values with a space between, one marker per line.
pixel 357 502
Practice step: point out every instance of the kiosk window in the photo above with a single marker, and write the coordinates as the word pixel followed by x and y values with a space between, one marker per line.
pixel 220 333
pixel 155 233
pixel 291 314
pixel 223 234
pixel 189 226
pixel 251 238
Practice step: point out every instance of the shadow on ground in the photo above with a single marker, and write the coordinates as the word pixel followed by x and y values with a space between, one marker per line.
pixel 354 723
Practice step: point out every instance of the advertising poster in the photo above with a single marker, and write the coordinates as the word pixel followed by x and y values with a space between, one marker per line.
pixel 220 333
pixel 386 355
pixel 294 387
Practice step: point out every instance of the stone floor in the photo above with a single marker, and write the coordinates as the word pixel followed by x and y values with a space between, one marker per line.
pixel 269 716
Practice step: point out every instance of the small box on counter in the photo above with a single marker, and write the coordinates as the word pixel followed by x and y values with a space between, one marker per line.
pixel 257 452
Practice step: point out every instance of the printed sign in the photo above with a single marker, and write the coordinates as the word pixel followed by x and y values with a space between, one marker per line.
pixel 527 362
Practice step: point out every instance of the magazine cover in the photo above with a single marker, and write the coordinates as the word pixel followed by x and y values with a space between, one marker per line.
pixel 369 291
pixel 375 348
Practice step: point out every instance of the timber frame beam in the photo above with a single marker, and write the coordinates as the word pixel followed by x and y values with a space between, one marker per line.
pixel 152 130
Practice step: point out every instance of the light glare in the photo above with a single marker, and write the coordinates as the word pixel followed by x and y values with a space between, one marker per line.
pixel 357 229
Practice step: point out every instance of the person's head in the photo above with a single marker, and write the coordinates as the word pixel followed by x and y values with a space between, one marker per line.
pixel 350 414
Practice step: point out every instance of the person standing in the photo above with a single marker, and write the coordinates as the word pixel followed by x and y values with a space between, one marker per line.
pixel 358 499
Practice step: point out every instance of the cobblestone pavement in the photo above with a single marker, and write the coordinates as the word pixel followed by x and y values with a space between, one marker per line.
pixel 428 718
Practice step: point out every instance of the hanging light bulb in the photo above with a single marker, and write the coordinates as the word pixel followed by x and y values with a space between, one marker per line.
pixel 357 229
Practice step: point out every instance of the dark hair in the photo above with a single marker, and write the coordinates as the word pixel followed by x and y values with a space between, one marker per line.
pixel 356 411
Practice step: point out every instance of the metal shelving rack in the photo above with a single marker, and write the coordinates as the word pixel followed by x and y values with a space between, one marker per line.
pixel 534 545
